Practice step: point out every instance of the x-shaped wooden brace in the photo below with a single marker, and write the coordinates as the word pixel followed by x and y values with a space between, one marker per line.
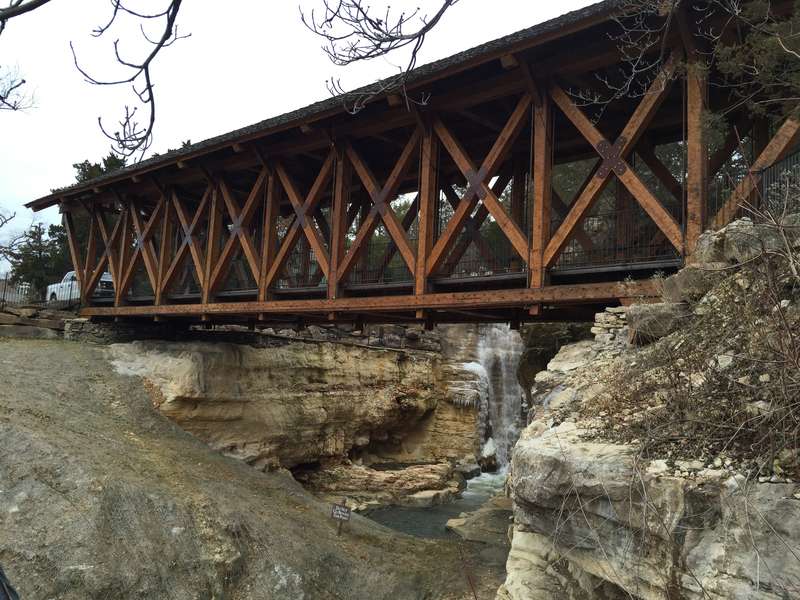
pixel 381 206
pixel 239 231
pixel 478 186
pixel 408 220
pixel 143 246
pixel 108 257
pixel 303 220
pixel 472 225
pixel 190 240
pixel 614 161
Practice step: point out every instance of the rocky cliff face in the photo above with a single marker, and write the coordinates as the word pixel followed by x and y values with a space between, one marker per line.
pixel 664 470
pixel 342 408
pixel 101 497
pixel 299 403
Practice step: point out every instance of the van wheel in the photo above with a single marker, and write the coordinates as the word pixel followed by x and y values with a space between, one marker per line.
pixel 53 298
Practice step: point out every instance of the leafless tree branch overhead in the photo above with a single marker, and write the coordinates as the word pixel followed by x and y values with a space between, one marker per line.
pixel 132 136
pixel 353 31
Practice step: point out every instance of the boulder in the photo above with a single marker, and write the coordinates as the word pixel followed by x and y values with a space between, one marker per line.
pixel 489 524
pixel 691 283
pixel 745 241
pixel 650 322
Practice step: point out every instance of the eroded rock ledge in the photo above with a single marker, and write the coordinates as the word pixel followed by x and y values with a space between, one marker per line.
pixel 614 497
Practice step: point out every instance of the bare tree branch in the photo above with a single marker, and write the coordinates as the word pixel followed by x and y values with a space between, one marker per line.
pixel 354 33
pixel 12 93
pixel 133 137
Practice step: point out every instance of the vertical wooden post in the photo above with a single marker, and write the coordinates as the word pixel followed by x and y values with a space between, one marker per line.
pixel 269 234
pixel 213 242
pixel 696 155
pixel 124 252
pixel 341 197
pixel 165 250
pixel 542 165
pixel 518 187
pixel 91 257
pixel 428 192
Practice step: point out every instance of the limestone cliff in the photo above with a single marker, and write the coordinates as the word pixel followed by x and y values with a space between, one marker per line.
pixel 668 469
pixel 301 402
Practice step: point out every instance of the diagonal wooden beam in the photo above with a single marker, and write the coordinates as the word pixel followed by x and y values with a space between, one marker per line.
pixel 614 161
pixel 304 209
pixel 165 249
pixel 109 255
pixel 647 153
pixel 269 244
pixel 478 187
pixel 239 233
pixel 190 242
pixel 72 242
pixel 783 140
pixel 143 245
pixel 381 198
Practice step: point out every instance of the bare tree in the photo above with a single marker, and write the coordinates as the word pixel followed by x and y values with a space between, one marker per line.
pixel 133 136
pixel 13 95
pixel 353 32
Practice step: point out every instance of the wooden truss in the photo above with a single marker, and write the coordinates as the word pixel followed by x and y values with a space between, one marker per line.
pixel 203 227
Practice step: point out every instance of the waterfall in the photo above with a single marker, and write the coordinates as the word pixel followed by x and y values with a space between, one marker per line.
pixel 500 411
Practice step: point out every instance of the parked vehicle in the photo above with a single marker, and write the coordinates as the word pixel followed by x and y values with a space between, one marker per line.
pixel 68 289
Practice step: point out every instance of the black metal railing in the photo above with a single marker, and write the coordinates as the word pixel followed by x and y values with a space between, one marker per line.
pixel 779 185
pixel 615 237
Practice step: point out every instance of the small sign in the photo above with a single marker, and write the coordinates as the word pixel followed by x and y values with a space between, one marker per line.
pixel 340 513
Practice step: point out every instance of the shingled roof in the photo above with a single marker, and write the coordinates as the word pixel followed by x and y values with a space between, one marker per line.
pixel 431 71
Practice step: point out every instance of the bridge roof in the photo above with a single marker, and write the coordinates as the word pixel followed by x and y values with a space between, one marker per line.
pixel 558 27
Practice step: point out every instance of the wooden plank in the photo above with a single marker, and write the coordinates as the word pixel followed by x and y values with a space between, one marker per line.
pixel 559 294
pixel 783 140
pixel 164 251
pixel 341 198
pixel 269 245
pixel 213 239
pixel 696 154
pixel 542 168
pixel 428 197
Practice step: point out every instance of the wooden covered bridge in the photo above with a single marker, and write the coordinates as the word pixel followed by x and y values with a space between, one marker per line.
pixel 501 197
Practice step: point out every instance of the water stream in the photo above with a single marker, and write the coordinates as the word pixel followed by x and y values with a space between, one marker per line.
pixel 499 424
pixel 499 351
pixel 430 522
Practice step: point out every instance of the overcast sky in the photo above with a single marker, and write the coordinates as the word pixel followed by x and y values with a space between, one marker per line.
pixel 248 61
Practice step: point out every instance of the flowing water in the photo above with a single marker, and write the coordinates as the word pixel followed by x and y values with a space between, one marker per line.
pixel 431 522
pixel 499 351
pixel 499 424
